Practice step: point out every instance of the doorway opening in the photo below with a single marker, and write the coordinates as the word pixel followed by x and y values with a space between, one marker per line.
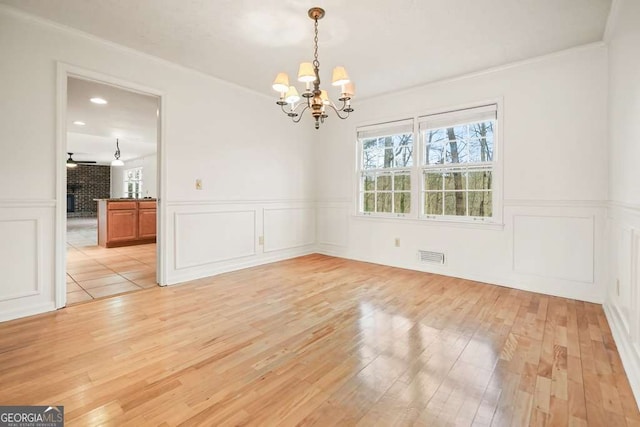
pixel 110 227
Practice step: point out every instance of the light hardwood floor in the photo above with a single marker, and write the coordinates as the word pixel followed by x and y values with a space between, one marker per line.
pixel 321 341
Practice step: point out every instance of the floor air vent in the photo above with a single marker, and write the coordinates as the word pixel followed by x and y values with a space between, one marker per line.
pixel 431 257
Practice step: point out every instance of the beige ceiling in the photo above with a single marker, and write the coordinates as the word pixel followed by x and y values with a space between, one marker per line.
pixel 129 116
pixel 385 45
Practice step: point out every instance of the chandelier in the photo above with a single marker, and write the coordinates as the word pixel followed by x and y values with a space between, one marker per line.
pixel 313 98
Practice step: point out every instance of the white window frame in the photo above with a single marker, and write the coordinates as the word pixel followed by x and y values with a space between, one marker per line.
pixel 384 171
pixel 417 202
pixel 126 181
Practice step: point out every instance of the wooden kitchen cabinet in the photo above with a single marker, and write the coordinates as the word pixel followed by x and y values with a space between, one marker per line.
pixel 123 222
pixel 147 223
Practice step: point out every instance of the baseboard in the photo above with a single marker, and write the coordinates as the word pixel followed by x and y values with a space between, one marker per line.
pixel 228 266
pixel 32 310
pixel 476 277
pixel 630 359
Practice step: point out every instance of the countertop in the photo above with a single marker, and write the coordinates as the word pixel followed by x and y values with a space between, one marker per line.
pixel 127 200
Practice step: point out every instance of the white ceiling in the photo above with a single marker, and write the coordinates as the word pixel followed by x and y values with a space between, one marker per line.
pixel 129 116
pixel 385 45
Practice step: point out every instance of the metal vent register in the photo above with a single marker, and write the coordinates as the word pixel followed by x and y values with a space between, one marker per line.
pixel 431 257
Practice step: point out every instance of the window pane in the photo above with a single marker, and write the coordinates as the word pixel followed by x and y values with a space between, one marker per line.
pixel 480 203
pixel 433 181
pixel 480 180
pixel 372 154
pixel 384 202
pixel 455 203
pixel 402 182
pixel 402 203
pixel 384 182
pixel 455 133
pixel 481 142
pixel 436 146
pixel 455 181
pixel 368 183
pixel 457 151
pixel 403 150
pixel 369 201
pixel 433 203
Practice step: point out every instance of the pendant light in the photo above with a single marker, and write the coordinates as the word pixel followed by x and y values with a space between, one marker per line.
pixel 117 161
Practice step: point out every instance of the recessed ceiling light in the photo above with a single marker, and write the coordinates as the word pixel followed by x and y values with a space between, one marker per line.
pixel 79 123
pixel 98 101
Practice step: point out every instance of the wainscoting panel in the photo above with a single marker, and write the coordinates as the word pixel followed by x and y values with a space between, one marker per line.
pixel 622 305
pixel 287 228
pixel 26 258
pixel 208 237
pixel 333 225
pixel 19 263
pixel 554 253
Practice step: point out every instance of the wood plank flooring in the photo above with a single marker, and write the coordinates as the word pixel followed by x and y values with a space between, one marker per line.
pixel 321 341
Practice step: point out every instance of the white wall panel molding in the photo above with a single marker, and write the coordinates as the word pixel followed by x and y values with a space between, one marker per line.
pixel 27 203
pixel 571 267
pixel 288 227
pixel 554 253
pixel 555 203
pixel 207 237
pixel 622 209
pixel 332 225
pixel 627 349
pixel 26 285
pixel 177 203
pixel 210 239
pixel 21 260
pixel 622 305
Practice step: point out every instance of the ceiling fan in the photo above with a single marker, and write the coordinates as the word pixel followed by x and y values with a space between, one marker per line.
pixel 74 163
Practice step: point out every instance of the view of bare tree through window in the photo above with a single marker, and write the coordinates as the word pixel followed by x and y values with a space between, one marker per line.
pixel 454 170
pixel 386 179
pixel 458 170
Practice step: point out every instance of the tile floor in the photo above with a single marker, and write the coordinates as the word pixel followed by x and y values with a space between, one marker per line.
pixel 96 272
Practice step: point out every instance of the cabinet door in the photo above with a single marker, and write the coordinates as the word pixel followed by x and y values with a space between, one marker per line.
pixel 122 225
pixel 146 223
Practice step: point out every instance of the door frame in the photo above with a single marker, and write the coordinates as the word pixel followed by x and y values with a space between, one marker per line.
pixel 65 71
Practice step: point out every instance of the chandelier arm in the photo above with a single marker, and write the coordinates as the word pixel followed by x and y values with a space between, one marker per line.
pixel 338 112
pixel 293 119
pixel 283 110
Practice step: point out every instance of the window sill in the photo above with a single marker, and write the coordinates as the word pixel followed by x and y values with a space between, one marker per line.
pixel 437 222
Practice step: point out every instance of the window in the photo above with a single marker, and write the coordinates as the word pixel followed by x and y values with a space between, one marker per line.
pixel 133 183
pixel 449 174
pixel 457 165
pixel 386 167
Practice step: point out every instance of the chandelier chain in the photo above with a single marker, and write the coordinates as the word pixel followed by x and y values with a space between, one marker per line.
pixel 316 63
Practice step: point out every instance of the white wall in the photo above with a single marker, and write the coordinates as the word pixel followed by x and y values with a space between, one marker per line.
pixel 623 285
pixel 149 165
pixel 249 172
pixel 555 180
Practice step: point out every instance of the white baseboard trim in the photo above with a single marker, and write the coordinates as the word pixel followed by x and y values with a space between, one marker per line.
pixel 630 359
pixel 27 311
pixel 226 267
pixel 466 275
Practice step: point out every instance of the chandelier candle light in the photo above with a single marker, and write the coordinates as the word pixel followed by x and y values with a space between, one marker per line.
pixel 314 98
